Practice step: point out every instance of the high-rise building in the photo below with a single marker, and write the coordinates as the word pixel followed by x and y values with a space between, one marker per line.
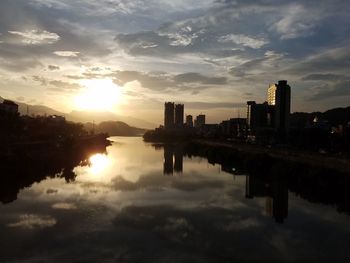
pixel 179 115
pixel 189 121
pixel 199 121
pixel 169 115
pixel 256 116
pixel 279 96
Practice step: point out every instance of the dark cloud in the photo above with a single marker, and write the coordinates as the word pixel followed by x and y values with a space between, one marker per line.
pixel 341 88
pixel 213 105
pixel 53 67
pixel 43 81
pixel 64 85
pixel 56 85
pixel 163 81
pixel 326 77
pixel 198 78
pixel 155 182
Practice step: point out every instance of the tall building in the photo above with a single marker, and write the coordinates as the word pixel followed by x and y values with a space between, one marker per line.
pixel 256 116
pixel 179 115
pixel 199 121
pixel 189 121
pixel 279 96
pixel 169 115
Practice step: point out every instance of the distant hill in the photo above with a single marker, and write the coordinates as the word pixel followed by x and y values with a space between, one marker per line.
pixel 97 117
pixel 334 116
pixel 115 128
pixel 82 116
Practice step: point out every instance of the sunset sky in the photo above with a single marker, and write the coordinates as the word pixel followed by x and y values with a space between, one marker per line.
pixel 129 57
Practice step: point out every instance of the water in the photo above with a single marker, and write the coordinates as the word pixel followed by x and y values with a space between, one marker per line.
pixel 142 202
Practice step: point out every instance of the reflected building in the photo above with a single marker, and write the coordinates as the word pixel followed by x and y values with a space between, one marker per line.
pixel 168 167
pixel 178 166
pixel 275 192
pixel 173 159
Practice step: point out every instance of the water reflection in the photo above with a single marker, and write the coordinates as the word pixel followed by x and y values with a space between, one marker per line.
pixel 118 206
pixel 25 168
pixel 267 179
pixel 173 152
pixel 275 192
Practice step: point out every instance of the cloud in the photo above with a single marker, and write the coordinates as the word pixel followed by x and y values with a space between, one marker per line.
pixel 269 61
pixel 163 81
pixel 244 40
pixel 58 85
pixel 192 77
pixel 53 67
pixel 341 88
pixel 64 85
pixel 36 37
pixel 43 81
pixel 66 53
pixel 64 206
pixel 297 21
pixel 213 105
pixel 31 221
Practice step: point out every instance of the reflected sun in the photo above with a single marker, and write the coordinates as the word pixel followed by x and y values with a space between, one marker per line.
pixel 98 95
pixel 98 163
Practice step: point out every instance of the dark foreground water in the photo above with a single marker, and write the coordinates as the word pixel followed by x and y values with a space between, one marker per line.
pixel 143 203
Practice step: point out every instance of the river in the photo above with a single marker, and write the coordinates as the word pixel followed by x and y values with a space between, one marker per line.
pixel 139 202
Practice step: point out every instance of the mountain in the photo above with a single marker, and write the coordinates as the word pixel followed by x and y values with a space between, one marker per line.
pixel 115 128
pixel 334 117
pixel 23 108
pixel 82 116
pixel 97 117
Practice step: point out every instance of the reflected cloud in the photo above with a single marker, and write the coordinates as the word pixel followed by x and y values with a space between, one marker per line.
pixel 64 206
pixel 31 221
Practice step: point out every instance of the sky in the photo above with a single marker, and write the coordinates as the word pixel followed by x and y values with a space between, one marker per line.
pixel 129 57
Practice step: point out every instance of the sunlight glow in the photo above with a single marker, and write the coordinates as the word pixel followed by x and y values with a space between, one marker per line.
pixel 98 162
pixel 98 95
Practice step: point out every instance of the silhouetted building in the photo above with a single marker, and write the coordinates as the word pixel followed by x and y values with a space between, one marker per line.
pixel 169 115
pixel 233 127
pixel 199 121
pixel 189 121
pixel 179 115
pixel 256 116
pixel 9 106
pixel 279 96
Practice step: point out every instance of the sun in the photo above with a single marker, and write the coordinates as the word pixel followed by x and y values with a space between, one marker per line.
pixel 98 95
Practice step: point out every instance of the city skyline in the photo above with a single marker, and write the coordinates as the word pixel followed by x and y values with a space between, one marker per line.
pixel 128 58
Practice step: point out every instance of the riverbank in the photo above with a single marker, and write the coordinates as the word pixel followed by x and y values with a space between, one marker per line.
pixel 44 149
pixel 339 164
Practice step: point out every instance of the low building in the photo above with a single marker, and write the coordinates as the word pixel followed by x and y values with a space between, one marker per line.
pixel 199 121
